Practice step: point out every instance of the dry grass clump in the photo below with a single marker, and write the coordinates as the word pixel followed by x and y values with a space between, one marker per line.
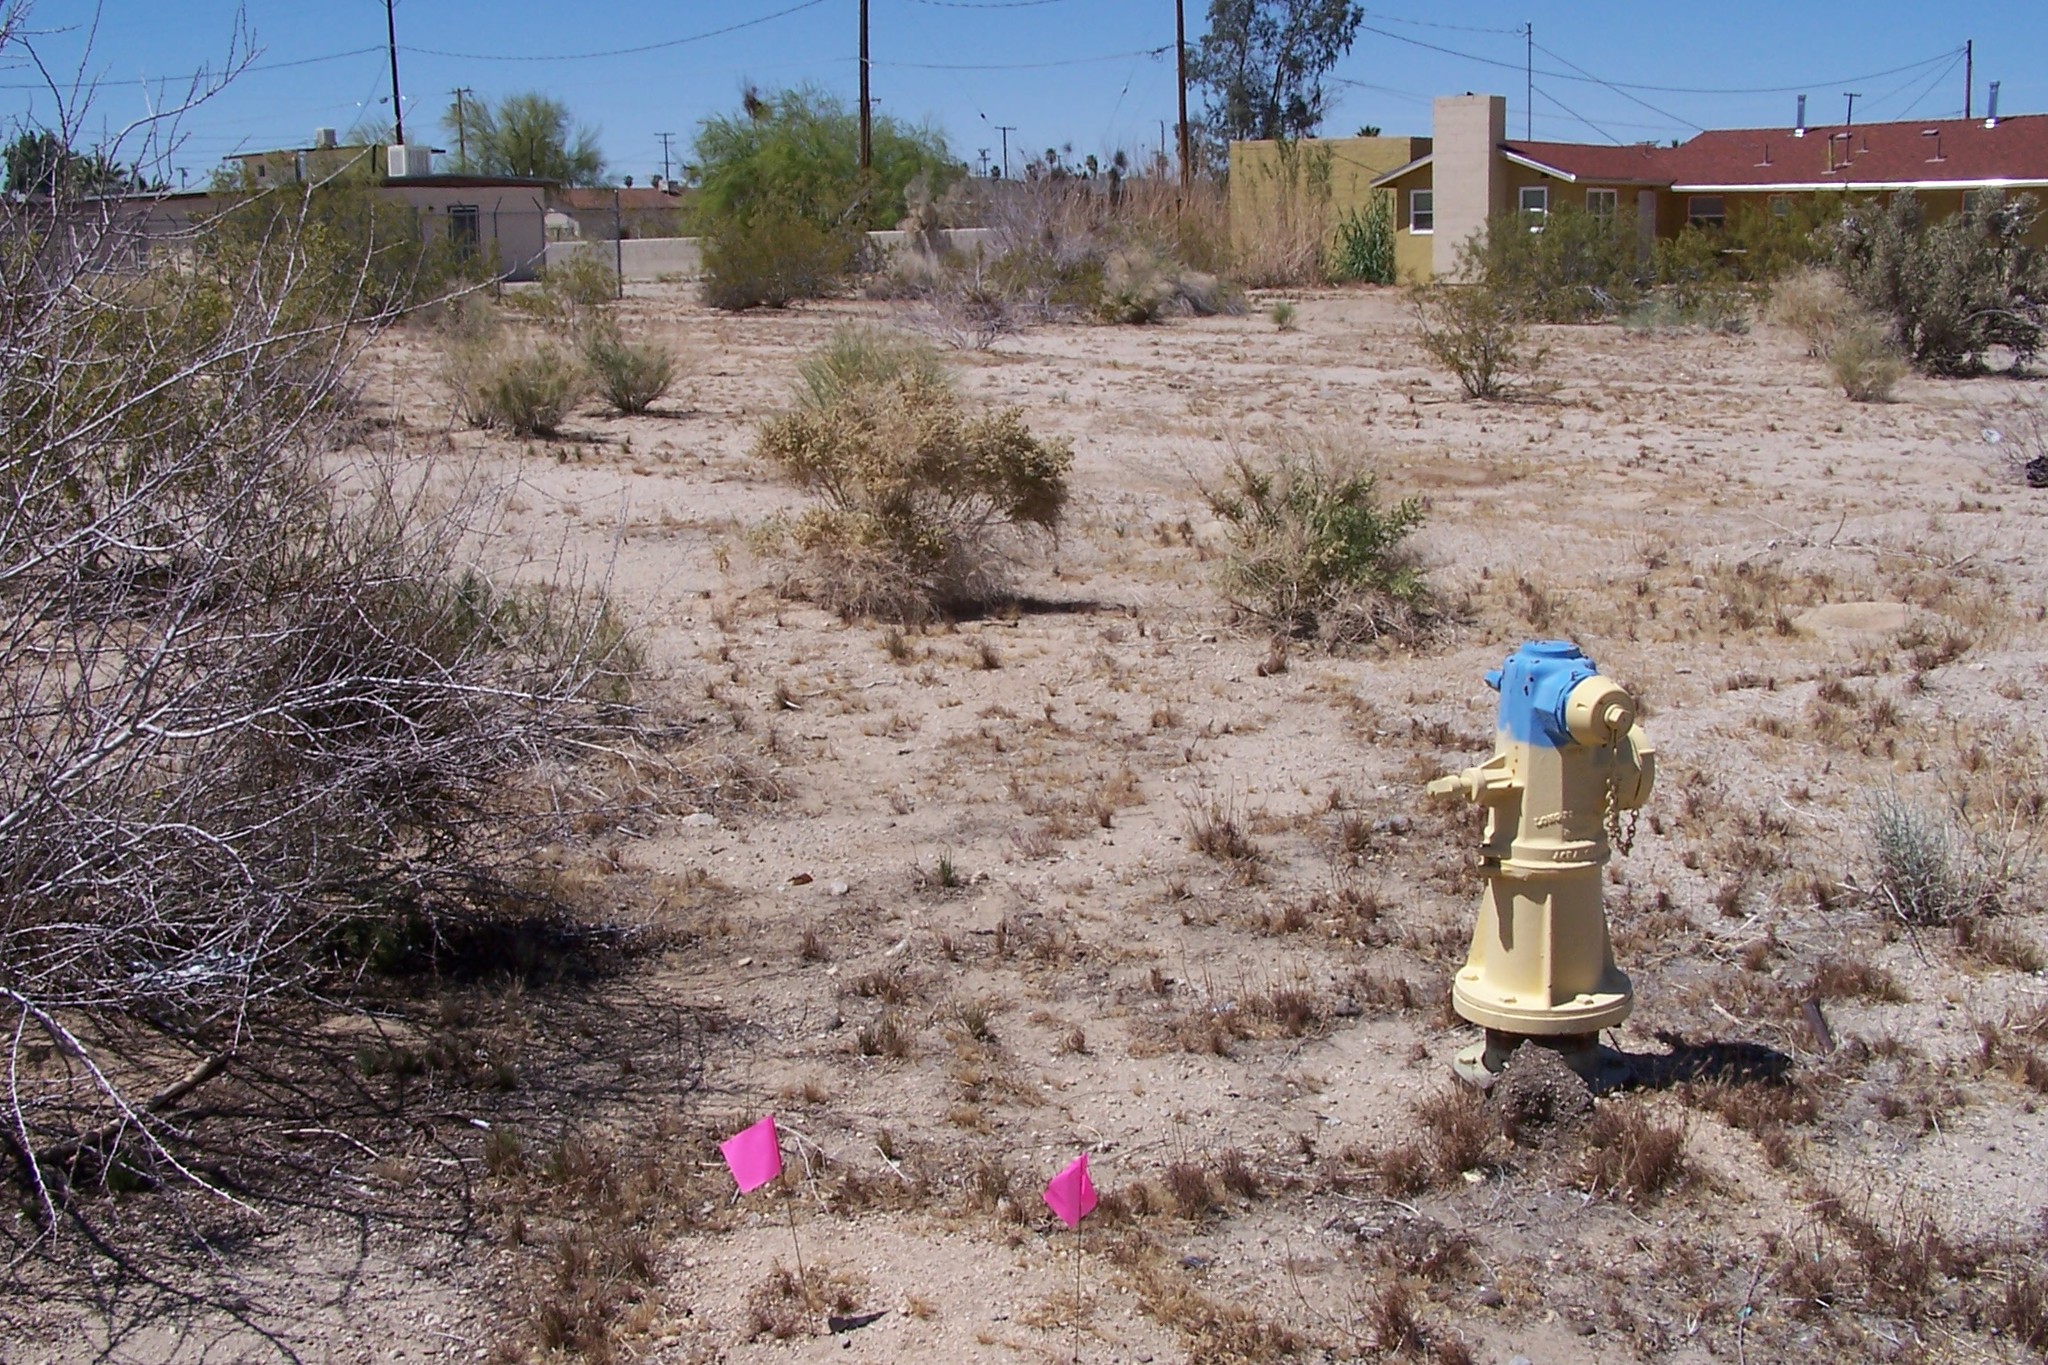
pixel 1930 867
pixel 1315 553
pixel 1216 830
pixel 1629 1155
pixel 526 389
pixel 1865 365
pixel 918 499
pixel 1813 302
pixel 785 1307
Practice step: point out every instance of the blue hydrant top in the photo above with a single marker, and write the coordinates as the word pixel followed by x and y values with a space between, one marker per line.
pixel 1534 685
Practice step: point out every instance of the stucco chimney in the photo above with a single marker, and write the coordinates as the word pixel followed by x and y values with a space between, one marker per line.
pixel 1466 174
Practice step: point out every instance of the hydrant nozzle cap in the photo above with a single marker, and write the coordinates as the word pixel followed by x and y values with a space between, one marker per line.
pixel 1599 711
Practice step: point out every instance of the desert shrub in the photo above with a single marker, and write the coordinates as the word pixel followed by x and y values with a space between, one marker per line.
pixel 1137 286
pixel 917 497
pixel 1476 332
pixel 1283 315
pixel 1581 267
pixel 1314 552
pixel 630 375
pixel 1865 364
pixel 1951 289
pixel 770 256
pixel 1767 245
pixel 524 389
pixel 862 357
pixel 1364 249
pixel 1813 303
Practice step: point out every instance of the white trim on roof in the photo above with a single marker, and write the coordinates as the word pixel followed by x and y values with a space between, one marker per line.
pixel 1391 176
pixel 1862 186
pixel 1533 164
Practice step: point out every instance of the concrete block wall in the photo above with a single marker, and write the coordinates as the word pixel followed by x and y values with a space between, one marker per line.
pixel 1468 178
pixel 641 259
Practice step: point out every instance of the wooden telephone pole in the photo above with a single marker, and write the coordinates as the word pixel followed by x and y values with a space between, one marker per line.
pixel 867 148
pixel 1180 43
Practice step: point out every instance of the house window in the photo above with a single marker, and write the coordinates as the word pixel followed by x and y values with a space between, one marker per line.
pixel 1781 206
pixel 1982 201
pixel 1706 211
pixel 1535 204
pixel 1422 211
pixel 464 227
pixel 1602 203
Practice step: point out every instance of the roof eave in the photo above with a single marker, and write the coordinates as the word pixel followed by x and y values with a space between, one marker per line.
pixel 1809 186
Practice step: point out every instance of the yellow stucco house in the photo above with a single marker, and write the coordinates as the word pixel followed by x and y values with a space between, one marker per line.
pixel 1451 184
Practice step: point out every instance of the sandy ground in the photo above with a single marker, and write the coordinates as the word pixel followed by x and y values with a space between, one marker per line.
pixel 1759 558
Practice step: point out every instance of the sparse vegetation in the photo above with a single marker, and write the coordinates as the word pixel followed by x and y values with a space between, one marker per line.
pixel 631 375
pixel 1864 364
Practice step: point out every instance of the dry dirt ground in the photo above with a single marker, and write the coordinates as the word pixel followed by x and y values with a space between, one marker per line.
pixel 974 936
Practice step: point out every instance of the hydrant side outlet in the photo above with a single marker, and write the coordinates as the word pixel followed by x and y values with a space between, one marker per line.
pixel 1567 751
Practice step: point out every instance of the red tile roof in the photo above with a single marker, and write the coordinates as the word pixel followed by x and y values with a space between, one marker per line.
pixel 1583 161
pixel 2015 152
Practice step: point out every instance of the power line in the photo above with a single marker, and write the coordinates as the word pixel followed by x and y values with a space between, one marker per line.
pixel 1160 51
pixel 1423 23
pixel 617 51
pixel 1581 118
pixel 1661 113
pixel 1664 89
pixel 203 73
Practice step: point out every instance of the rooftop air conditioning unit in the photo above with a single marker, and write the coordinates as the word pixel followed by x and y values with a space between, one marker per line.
pixel 405 161
pixel 323 139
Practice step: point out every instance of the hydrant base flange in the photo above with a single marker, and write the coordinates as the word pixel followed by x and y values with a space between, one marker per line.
pixel 1587 1013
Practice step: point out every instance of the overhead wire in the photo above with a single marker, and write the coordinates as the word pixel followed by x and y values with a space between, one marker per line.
pixel 1932 86
pixel 204 73
pixel 1580 117
pixel 1027 66
pixel 1635 99
pixel 1662 89
pixel 616 51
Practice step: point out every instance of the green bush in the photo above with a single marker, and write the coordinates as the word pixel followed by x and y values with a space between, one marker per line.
pixel 916 497
pixel 1696 277
pixel 1364 250
pixel 1313 551
pixel 1283 315
pixel 585 280
pixel 630 375
pixel 1950 289
pixel 1476 332
pixel 1573 267
pixel 770 256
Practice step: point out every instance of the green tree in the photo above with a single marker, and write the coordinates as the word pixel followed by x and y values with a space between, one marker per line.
pixel 1262 63
pixel 524 134
pixel 41 163
pixel 799 152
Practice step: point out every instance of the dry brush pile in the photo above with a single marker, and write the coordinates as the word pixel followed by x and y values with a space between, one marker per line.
pixel 261 720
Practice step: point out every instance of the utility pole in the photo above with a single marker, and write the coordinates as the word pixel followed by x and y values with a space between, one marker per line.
pixel 1849 119
pixel 1180 43
pixel 1969 73
pixel 664 155
pixel 1006 129
pixel 867 149
pixel 462 124
pixel 1528 80
pixel 391 40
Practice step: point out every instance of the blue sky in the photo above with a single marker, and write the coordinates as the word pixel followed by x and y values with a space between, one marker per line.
pixel 1094 73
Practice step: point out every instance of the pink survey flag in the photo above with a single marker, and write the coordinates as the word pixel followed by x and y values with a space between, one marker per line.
pixel 754 1155
pixel 1071 1194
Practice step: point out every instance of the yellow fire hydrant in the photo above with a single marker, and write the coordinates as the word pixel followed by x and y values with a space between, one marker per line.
pixel 1568 755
